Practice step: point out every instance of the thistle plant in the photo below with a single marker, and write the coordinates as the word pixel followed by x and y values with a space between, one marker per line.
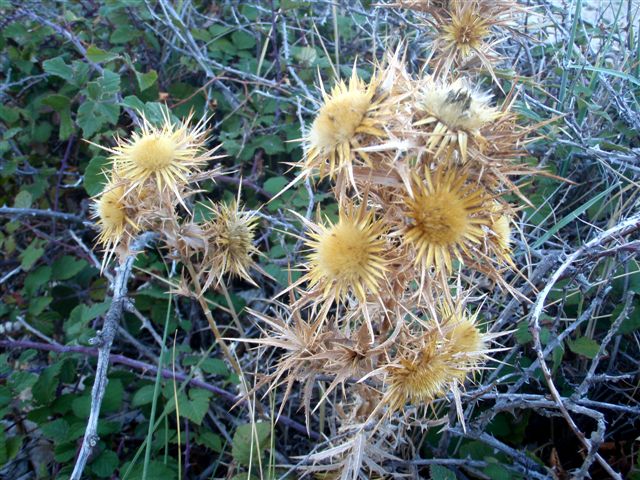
pixel 153 178
pixel 387 308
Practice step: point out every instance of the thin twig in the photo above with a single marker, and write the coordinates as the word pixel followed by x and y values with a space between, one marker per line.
pixel 623 228
pixel 150 369
pixel 104 340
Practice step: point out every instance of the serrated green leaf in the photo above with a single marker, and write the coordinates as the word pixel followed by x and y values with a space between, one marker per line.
pixel 244 439
pixel 57 66
pixel 143 396
pixel 438 472
pixel 38 304
pixel 30 256
pixel 44 390
pixel 95 176
pixel 105 464
pixel 23 199
pixel 36 279
pixel 97 55
pixel 56 430
pixel 585 346
pixel 146 80
pixel 67 267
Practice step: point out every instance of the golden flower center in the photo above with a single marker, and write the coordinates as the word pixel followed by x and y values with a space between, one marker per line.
pixel 339 118
pixel 153 152
pixel 343 252
pixel 110 208
pixel 440 218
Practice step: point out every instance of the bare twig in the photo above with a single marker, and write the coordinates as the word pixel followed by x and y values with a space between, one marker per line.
pixel 623 228
pixel 150 369
pixel 104 340
pixel 35 212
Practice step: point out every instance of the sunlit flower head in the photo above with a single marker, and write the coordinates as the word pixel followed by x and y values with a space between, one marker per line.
pixel 166 157
pixel 500 227
pixel 348 114
pixel 444 217
pixel 441 360
pixel 348 256
pixel 230 234
pixel 467 31
pixel 452 115
pixel 419 377
pixel 113 218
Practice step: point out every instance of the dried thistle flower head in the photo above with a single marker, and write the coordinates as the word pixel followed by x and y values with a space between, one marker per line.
pixel 453 114
pixel 445 216
pixel 114 220
pixel 230 235
pixel 166 156
pixel 466 32
pixel 501 230
pixel 348 112
pixel 451 350
pixel 348 256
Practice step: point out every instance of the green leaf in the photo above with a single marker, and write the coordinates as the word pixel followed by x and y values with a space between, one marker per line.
pixel 146 80
pixel 271 144
pixel 57 102
pixel 67 267
pixel 30 256
pixel 113 396
pixel 97 55
pixel 36 279
pixel 56 430
pixel 275 184
pixel 585 346
pixel 211 440
pixel 143 396
pixel 92 116
pixel 195 407
pixel 57 66
pixel 244 439
pixel 243 40
pixel 105 464
pixel 438 472
pixel 38 304
pixel 44 390
pixel 95 175
pixel 23 199
pixel 523 335
pixel 496 471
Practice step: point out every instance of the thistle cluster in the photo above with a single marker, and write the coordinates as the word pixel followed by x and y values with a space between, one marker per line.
pixel 152 179
pixel 421 166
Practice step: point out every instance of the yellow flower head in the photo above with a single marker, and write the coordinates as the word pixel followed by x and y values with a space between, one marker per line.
pixel 230 234
pixel 447 353
pixel 467 31
pixel 444 217
pixel 113 218
pixel 453 113
pixel 501 232
pixel 167 156
pixel 347 256
pixel 348 112
pixel 419 378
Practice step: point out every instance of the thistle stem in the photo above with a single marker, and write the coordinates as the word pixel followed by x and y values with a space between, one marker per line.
pixel 209 316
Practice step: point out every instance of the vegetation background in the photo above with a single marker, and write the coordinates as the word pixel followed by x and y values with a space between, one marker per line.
pixel 72 71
